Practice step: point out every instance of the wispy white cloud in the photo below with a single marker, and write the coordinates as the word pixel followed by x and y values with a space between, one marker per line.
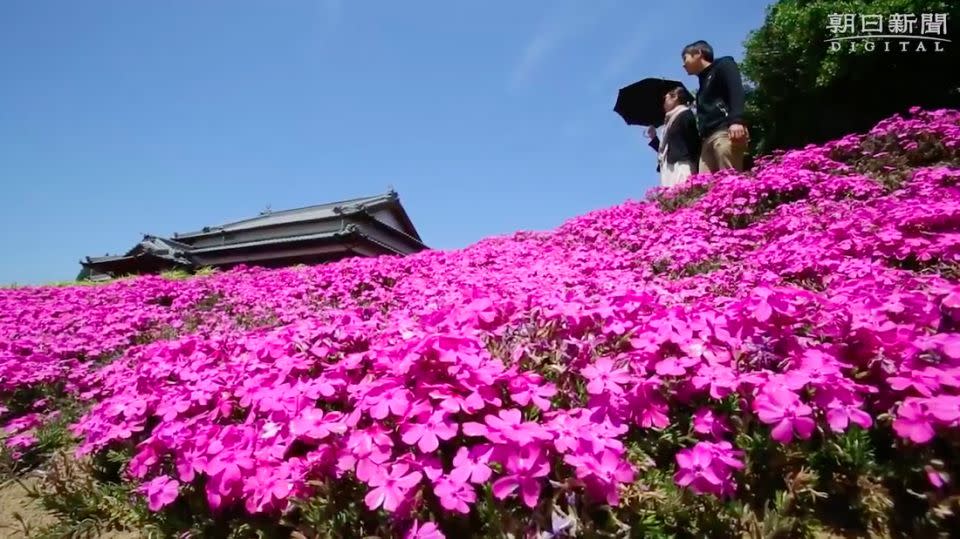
pixel 572 129
pixel 643 46
pixel 564 22
pixel 537 49
pixel 331 11
pixel 626 56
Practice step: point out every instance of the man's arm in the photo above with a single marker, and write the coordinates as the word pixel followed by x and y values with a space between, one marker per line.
pixel 734 84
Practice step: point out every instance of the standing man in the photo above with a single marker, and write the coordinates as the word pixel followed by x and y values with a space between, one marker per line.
pixel 719 108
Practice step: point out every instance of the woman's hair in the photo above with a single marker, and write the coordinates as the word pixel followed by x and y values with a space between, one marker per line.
pixel 682 95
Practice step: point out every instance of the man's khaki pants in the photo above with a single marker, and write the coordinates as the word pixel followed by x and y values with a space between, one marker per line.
pixel 718 153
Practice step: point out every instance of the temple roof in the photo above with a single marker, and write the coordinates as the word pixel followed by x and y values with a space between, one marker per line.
pixel 366 226
pixel 318 212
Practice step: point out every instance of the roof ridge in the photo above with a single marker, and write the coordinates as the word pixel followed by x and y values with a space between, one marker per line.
pixel 349 203
pixel 302 208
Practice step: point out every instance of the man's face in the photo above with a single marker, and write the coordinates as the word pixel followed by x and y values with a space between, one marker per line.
pixel 691 63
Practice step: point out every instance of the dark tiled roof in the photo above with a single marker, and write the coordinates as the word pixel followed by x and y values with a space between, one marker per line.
pixel 292 232
pixel 273 241
pixel 154 246
pixel 102 259
pixel 308 213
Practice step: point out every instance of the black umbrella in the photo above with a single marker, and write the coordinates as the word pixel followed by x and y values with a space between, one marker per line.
pixel 641 103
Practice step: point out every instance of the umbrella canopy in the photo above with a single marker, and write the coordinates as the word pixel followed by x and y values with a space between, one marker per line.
pixel 641 103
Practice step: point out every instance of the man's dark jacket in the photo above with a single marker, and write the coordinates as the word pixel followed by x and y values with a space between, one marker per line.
pixel 720 97
pixel 683 140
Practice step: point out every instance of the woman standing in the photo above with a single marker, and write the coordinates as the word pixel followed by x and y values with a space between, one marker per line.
pixel 679 151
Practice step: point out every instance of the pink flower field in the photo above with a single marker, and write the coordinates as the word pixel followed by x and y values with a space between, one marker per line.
pixel 774 352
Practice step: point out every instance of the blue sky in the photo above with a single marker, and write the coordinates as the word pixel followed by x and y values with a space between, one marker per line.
pixel 122 117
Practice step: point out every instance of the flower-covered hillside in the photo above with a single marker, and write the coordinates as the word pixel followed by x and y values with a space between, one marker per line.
pixel 776 352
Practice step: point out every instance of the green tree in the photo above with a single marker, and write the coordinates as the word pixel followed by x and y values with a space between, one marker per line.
pixel 800 91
